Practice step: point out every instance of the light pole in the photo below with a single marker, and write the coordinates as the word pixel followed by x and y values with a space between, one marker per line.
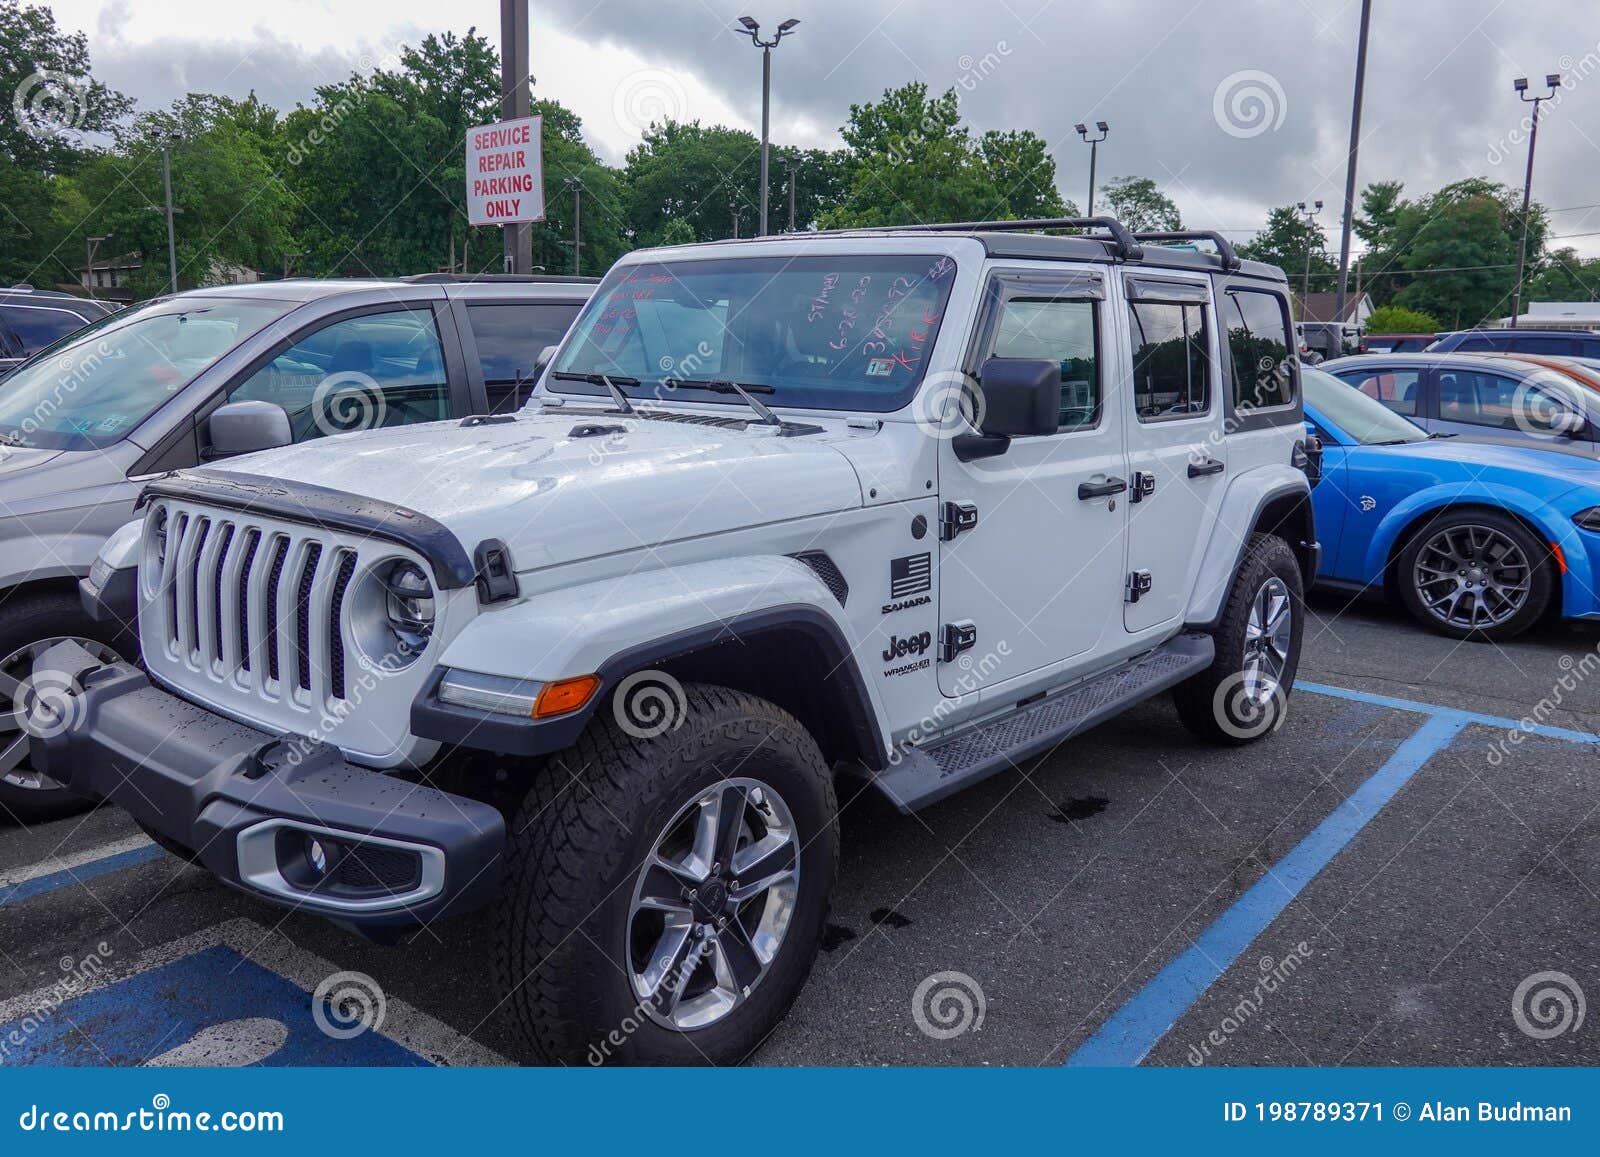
pixel 89 244
pixel 766 46
pixel 1350 163
pixel 1311 225
pixel 733 211
pixel 1094 149
pixel 576 185
pixel 1553 80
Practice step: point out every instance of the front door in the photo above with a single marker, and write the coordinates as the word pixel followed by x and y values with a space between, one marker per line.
pixel 1176 456
pixel 1039 572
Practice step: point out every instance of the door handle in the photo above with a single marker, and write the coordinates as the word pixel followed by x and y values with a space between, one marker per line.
pixel 1088 490
pixel 1209 466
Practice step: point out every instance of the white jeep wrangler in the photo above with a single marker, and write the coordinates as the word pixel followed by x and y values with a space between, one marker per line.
pixel 909 506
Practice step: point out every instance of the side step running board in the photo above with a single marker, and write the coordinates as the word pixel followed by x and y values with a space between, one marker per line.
pixel 926 774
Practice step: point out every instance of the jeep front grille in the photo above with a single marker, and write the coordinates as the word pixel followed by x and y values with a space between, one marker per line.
pixel 259 606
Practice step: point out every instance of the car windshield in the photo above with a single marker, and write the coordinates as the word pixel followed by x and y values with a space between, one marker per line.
pixel 839 332
pixel 1365 420
pixel 90 389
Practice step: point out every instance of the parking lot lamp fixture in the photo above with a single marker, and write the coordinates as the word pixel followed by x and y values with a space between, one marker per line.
pixel 1553 81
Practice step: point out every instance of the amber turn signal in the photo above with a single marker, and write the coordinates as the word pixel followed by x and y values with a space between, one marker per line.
pixel 565 696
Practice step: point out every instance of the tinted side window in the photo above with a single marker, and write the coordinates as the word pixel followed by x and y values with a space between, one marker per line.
pixel 1396 389
pixel 509 339
pixel 1171 374
pixel 1057 331
pixel 37 327
pixel 380 369
pixel 1258 343
pixel 1558 346
pixel 1480 399
pixel 1587 348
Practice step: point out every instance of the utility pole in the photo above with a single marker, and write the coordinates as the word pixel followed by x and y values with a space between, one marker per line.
pixel 733 211
pixel 792 163
pixel 1553 80
pixel 89 244
pixel 754 30
pixel 1305 287
pixel 172 244
pixel 576 185
pixel 1350 164
pixel 1094 152
pixel 516 102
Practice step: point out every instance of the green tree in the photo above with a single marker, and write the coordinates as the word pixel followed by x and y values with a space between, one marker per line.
pixel 1398 319
pixel 691 172
pixel 1289 242
pixel 604 213
pixel 45 72
pixel 1564 276
pixel 1140 205
pixel 913 160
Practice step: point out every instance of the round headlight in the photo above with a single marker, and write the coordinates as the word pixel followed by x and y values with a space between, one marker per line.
pixel 409 605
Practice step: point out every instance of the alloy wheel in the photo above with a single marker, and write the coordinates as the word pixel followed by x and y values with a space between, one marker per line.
pixel 15 669
pixel 1472 576
pixel 1268 632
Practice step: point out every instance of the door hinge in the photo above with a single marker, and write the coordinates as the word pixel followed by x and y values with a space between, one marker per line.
pixel 1141 485
pixel 954 517
pixel 1138 585
pixel 957 637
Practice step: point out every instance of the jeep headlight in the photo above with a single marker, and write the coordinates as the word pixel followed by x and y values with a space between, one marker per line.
pixel 408 604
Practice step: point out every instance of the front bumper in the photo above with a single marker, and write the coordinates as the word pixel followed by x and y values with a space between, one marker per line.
pixel 282 817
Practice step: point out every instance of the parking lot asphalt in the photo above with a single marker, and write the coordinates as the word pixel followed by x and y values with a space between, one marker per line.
pixel 1378 883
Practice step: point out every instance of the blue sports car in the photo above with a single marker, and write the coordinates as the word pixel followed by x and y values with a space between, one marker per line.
pixel 1478 540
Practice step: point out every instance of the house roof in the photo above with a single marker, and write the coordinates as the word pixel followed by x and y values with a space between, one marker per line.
pixel 1323 306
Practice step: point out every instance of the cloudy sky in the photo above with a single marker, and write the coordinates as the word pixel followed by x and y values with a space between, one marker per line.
pixel 1232 105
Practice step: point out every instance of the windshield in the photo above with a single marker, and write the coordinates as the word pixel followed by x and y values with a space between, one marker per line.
pixel 839 332
pixel 89 390
pixel 1364 420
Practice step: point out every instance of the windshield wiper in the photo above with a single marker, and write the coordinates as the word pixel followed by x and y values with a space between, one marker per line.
pixel 1392 442
pixel 11 438
pixel 1445 434
pixel 729 386
pixel 612 382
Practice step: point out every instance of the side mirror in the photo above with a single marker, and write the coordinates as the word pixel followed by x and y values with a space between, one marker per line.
pixel 546 356
pixel 1017 398
pixel 240 427
pixel 1567 424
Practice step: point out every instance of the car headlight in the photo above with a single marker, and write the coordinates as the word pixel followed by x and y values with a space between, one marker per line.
pixel 409 605
pixel 1588 519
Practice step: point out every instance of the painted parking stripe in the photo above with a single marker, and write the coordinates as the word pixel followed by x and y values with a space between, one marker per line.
pixel 1434 709
pixel 1135 1028
pixel 233 994
pixel 63 871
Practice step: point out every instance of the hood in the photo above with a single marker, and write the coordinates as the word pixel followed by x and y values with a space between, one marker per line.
pixel 554 494
pixel 1563 469
pixel 17 458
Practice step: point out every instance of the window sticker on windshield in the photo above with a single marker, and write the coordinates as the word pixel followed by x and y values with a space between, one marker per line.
pixel 880 367
pixel 111 423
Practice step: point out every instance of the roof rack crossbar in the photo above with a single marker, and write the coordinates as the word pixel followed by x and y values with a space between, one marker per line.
pixel 1126 246
pixel 1230 259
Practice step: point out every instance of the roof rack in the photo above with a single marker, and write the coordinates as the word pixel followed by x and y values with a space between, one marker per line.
pixel 1230 259
pixel 494 278
pixel 1122 241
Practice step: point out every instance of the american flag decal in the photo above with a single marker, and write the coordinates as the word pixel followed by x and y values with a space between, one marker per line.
pixel 910 575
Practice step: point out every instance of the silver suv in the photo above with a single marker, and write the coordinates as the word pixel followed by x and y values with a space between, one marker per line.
pixel 212 373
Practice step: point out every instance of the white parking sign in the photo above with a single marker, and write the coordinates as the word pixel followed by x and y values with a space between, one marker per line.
pixel 505 172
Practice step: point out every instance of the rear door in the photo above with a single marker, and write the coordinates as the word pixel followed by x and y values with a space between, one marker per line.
pixel 1177 458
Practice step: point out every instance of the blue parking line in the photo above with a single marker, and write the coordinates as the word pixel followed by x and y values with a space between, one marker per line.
pixel 1135 1028
pixel 39 885
pixel 1433 709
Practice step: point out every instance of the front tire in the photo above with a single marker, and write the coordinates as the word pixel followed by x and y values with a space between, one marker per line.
pixel 1244 694
pixel 1475 574
pixel 31 623
pixel 665 895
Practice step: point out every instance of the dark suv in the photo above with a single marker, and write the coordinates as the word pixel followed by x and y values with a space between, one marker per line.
pixel 212 373
pixel 1559 343
pixel 31 319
